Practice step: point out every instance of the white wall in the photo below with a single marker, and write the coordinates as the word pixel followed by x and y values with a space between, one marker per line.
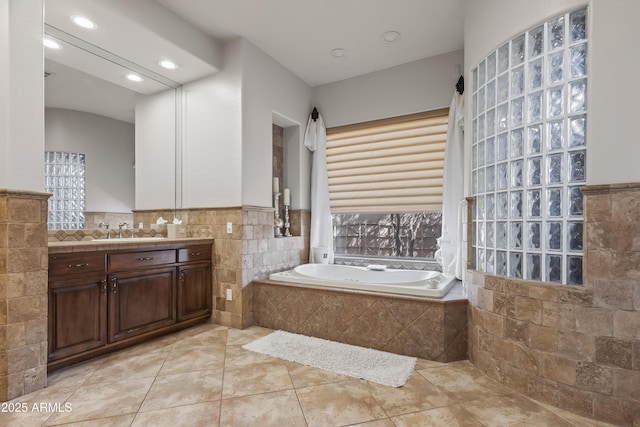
pixel 423 85
pixel 108 145
pixel 21 95
pixel 227 130
pixel 613 135
pixel 155 156
pixel 613 145
pixel 212 136
pixel 268 88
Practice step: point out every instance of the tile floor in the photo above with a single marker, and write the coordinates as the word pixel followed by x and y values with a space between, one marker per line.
pixel 203 377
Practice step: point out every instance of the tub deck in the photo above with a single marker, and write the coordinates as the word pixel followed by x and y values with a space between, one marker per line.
pixel 439 290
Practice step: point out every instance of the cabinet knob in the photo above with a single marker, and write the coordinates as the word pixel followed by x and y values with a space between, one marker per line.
pixel 104 286
pixel 146 258
pixel 195 253
pixel 114 285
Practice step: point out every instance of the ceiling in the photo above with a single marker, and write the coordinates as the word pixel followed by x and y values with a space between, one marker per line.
pixel 299 34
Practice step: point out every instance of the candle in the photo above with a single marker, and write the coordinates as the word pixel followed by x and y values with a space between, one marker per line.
pixel 276 184
pixel 287 197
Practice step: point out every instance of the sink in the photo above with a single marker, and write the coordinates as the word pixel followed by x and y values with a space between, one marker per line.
pixel 129 239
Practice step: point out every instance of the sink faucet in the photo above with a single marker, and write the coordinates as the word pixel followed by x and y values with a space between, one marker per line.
pixel 125 225
pixel 105 225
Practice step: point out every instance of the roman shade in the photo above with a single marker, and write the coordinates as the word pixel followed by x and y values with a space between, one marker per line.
pixel 388 166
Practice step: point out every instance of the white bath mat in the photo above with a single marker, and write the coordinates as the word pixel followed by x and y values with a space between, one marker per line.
pixel 372 365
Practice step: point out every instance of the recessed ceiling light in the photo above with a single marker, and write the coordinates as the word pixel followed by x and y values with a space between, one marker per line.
pixel 339 53
pixel 51 44
pixel 84 22
pixel 391 36
pixel 169 65
pixel 133 77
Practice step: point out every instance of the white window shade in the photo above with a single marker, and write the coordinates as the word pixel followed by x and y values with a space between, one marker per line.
pixel 386 166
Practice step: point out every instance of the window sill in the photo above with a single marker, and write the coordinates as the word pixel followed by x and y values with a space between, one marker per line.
pixel 396 263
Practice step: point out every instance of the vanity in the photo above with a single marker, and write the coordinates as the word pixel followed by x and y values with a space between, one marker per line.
pixel 105 295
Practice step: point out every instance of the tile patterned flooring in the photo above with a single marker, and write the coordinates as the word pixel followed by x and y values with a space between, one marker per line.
pixel 203 377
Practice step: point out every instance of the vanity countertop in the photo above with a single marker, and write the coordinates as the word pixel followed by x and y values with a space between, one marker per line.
pixel 122 244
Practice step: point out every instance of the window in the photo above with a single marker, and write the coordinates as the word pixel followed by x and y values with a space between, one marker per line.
pixel 65 180
pixel 385 185
pixel 529 115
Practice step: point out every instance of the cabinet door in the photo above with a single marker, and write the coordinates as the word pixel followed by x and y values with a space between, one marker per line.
pixel 141 302
pixel 194 291
pixel 77 315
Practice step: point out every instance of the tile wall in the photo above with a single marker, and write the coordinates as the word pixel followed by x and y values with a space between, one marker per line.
pixel 574 347
pixel 23 292
pixel 433 330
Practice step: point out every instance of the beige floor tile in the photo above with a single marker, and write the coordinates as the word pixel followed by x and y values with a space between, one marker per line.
pixel 513 410
pixel 463 382
pixel 450 417
pixel 185 376
pixel 237 357
pixel 417 394
pixel 183 389
pixel 74 375
pixel 119 421
pixel 199 415
pixel 339 404
pixel 185 359
pixel 377 423
pixel 104 400
pixel 428 364
pixel 256 379
pixel 160 344
pixel 279 409
pixel 304 376
pixel 210 337
pixel 135 366
pixel 244 336
pixel 34 409
pixel 23 419
pixel 577 420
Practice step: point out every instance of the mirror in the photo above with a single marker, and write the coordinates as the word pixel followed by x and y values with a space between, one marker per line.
pixel 121 136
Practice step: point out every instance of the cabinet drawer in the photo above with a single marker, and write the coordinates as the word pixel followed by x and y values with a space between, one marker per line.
pixel 195 253
pixel 135 260
pixel 71 264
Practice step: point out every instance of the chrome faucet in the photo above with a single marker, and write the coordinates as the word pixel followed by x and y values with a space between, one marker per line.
pixel 105 225
pixel 125 225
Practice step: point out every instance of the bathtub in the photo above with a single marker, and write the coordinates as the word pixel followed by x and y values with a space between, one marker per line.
pixel 373 278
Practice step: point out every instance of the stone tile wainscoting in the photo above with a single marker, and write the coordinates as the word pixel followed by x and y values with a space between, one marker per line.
pixel 577 348
pixel 23 292
pixel 433 330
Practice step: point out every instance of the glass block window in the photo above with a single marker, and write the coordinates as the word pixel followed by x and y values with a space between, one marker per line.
pixel 65 180
pixel 529 115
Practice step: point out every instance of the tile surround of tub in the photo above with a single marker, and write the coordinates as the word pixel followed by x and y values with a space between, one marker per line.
pixel 433 330
pixel 576 348
pixel 23 292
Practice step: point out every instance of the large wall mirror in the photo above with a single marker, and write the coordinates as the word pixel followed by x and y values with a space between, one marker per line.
pixel 125 134
pixel 105 134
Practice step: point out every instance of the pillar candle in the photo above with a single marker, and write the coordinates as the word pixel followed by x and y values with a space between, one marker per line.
pixel 287 197
pixel 276 184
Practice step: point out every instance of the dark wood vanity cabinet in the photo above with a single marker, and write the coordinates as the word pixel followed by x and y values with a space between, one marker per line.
pixel 77 315
pixel 104 300
pixel 141 302
pixel 194 294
